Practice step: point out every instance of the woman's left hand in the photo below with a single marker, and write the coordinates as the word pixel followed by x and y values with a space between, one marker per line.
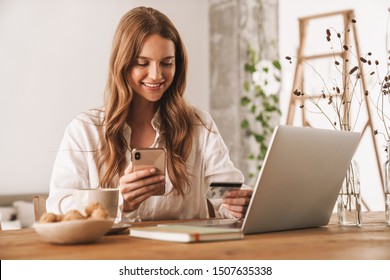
pixel 237 201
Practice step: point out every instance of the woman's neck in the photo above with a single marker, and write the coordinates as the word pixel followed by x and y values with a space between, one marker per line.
pixel 139 119
pixel 141 112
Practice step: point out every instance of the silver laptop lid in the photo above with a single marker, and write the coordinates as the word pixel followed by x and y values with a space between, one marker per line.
pixel 301 177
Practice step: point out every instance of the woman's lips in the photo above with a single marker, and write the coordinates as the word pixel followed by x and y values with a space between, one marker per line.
pixel 153 86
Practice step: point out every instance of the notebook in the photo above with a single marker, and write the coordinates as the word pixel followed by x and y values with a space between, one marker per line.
pixel 299 182
pixel 185 233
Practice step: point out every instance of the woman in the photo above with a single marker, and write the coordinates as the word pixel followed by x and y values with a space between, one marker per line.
pixel 144 107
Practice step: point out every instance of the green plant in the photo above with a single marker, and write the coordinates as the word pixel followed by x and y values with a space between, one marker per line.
pixel 262 104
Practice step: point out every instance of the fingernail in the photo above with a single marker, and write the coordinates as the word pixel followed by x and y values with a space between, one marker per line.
pixel 162 178
pixel 153 170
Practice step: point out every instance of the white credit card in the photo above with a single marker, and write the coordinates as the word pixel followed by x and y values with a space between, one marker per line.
pixel 221 189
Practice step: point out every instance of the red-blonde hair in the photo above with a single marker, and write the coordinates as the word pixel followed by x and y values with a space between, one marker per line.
pixel 177 117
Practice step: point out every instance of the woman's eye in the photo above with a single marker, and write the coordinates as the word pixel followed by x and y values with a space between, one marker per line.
pixel 141 62
pixel 167 63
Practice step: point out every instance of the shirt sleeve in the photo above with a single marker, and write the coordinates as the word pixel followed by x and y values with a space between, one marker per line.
pixel 217 163
pixel 73 166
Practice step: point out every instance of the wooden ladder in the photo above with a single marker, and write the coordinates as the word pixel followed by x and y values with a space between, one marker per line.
pixel 302 59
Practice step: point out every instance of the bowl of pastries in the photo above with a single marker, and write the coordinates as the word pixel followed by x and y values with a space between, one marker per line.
pixel 74 227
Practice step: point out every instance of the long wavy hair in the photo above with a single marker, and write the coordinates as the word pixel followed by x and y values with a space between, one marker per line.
pixel 177 117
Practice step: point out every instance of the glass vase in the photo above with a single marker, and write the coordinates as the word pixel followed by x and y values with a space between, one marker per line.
pixel 349 200
pixel 387 184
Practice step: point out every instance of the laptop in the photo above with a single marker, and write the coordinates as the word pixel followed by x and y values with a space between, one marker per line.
pixel 299 182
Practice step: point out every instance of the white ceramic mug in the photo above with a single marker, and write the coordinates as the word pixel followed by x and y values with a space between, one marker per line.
pixel 82 197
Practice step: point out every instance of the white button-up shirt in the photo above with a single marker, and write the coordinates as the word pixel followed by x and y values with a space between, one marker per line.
pixel 76 167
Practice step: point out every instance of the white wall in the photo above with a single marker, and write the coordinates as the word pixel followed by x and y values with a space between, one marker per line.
pixel 53 65
pixel 371 28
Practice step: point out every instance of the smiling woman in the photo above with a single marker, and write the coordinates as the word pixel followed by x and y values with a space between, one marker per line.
pixel 145 108
pixel 154 69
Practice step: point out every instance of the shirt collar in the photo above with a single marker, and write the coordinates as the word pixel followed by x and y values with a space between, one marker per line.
pixel 156 124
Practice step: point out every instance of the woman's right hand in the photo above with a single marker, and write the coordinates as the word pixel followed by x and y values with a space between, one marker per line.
pixel 137 186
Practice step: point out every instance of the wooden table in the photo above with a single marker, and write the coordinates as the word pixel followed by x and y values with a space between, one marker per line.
pixel 369 242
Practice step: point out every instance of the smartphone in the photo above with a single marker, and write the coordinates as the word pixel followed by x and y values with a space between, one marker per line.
pixel 150 158
pixel 220 189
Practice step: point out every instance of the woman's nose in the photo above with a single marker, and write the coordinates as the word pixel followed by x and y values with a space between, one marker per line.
pixel 155 72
